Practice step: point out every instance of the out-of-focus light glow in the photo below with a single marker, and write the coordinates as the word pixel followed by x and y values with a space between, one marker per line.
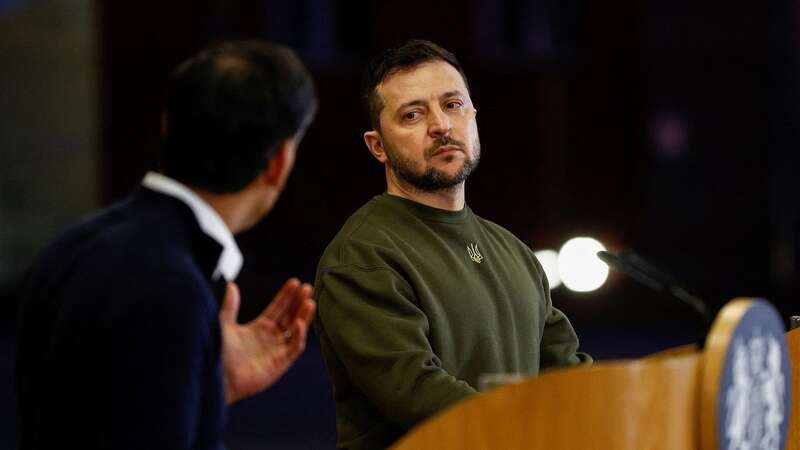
pixel 580 268
pixel 549 261
pixel 670 135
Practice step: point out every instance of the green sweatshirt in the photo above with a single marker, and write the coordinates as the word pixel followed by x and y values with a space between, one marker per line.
pixel 415 303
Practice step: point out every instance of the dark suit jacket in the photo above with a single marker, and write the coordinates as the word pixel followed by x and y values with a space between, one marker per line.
pixel 119 342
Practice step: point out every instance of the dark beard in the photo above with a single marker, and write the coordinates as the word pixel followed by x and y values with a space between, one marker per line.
pixel 433 179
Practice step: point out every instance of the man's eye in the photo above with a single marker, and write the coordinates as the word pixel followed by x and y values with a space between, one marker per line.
pixel 453 105
pixel 411 115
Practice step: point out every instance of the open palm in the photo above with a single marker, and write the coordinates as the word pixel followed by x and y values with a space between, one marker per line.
pixel 256 354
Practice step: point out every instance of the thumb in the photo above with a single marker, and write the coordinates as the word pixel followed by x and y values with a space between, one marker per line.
pixel 230 304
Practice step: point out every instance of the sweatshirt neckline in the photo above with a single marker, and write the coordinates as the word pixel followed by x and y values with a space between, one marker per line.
pixel 424 211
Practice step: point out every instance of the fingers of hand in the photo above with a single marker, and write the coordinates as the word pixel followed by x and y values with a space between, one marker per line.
pixel 301 295
pixel 282 300
pixel 230 304
pixel 306 311
pixel 299 328
pixel 298 298
pixel 297 343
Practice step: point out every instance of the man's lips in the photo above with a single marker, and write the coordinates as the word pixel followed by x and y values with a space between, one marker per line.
pixel 448 148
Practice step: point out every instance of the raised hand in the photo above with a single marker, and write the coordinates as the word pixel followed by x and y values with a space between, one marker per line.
pixel 256 354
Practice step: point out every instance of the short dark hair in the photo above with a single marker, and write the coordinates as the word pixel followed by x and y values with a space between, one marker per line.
pixel 228 108
pixel 393 60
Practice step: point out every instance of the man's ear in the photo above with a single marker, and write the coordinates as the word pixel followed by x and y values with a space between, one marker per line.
pixel 281 163
pixel 375 145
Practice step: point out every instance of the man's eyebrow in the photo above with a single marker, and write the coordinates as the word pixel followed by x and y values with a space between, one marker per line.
pixel 455 93
pixel 412 103
pixel 418 102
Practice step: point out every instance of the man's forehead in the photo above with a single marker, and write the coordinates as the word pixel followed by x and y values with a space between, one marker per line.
pixel 427 80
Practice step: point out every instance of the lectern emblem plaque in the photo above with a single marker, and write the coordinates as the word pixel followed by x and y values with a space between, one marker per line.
pixel 754 398
pixel 753 404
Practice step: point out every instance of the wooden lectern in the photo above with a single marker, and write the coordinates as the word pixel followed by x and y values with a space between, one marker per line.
pixel 673 400
pixel 793 341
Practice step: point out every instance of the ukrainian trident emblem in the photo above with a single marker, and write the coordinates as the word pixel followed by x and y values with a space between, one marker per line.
pixel 474 253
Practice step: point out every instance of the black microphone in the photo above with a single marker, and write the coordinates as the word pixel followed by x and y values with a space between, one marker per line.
pixel 645 273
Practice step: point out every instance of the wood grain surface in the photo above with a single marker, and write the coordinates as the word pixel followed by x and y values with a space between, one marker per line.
pixel 647 404
pixel 793 439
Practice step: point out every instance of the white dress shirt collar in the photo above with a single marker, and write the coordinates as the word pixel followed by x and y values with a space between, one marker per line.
pixel 230 261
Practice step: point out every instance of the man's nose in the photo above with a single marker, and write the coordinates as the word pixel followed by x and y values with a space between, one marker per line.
pixel 438 123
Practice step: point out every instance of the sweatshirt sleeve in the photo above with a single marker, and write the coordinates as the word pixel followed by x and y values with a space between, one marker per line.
pixel 380 336
pixel 559 346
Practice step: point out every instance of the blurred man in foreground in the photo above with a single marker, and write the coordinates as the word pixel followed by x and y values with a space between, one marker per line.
pixel 123 342
pixel 417 295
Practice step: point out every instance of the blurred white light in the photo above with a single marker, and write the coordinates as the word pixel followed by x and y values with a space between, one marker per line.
pixel 549 261
pixel 580 268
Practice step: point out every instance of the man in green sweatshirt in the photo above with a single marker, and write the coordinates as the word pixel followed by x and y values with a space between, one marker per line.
pixel 418 296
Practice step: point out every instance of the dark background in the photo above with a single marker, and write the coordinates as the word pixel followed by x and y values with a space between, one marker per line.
pixel 664 126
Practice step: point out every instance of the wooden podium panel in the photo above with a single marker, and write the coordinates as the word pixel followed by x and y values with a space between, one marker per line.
pixel 793 341
pixel 638 405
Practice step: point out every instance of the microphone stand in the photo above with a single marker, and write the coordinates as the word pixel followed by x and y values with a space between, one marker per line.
pixel 645 273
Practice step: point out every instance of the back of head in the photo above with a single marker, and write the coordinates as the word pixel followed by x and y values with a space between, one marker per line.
pixel 392 60
pixel 229 108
